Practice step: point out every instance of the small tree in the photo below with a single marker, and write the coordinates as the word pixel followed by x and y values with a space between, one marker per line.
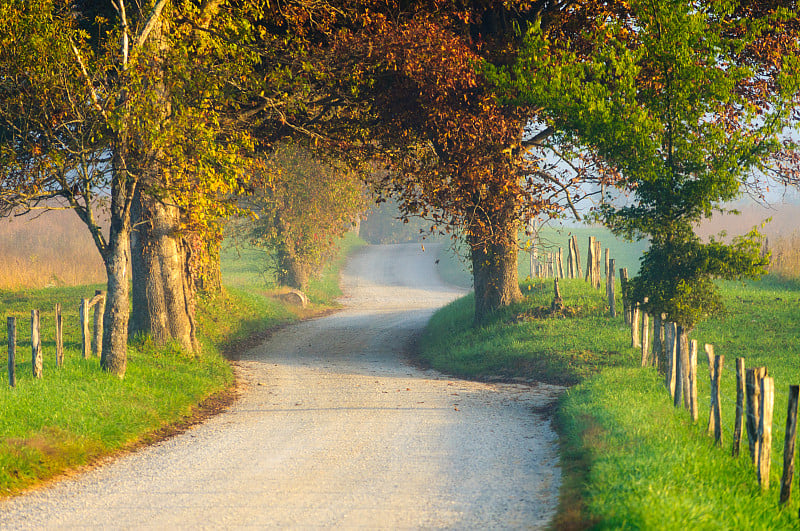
pixel 303 204
pixel 672 96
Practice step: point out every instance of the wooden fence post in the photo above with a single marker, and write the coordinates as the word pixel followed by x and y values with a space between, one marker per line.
pixel 598 255
pixel 557 304
pixel 658 341
pixel 85 340
pixel 692 373
pixel 765 431
pixel 610 289
pixel 646 359
pixel 671 378
pixel 718 363
pixel 12 351
pixel 560 262
pixel 530 257
pixel 590 261
pixel 626 304
pixel 59 336
pixel 684 350
pixel 789 444
pixel 578 272
pixel 681 367
pixel 738 425
pixel 712 380
pixel 635 312
pixel 753 399
pixel 36 345
pixel 99 309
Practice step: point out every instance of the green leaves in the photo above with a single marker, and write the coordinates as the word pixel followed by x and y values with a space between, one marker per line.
pixel 683 100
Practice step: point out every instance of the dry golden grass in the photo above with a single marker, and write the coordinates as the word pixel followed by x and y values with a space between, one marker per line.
pixel 785 261
pixel 48 249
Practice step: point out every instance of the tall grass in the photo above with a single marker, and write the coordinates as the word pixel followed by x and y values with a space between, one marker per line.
pixel 785 261
pixel 47 249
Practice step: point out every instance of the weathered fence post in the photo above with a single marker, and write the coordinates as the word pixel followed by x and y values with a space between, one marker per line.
pixel 560 261
pixel 635 312
pixel 598 255
pixel 610 289
pixel 646 359
pixel 578 272
pixel 658 341
pixel 738 425
pixel 99 308
pixel 692 394
pixel 558 303
pixel 789 444
pixel 530 256
pixel 681 367
pixel 683 349
pixel 85 340
pixel 36 345
pixel 712 381
pixel 626 304
pixel 59 336
pixel 590 261
pixel 765 431
pixel 719 360
pixel 753 400
pixel 12 351
pixel 714 411
pixel 671 376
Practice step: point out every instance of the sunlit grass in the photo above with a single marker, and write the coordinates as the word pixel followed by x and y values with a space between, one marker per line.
pixel 631 460
pixel 77 413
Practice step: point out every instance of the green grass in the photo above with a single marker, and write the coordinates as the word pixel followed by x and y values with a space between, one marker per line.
pixel 77 413
pixel 454 268
pixel 631 460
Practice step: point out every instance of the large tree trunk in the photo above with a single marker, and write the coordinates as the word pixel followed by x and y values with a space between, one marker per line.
pixel 494 272
pixel 163 301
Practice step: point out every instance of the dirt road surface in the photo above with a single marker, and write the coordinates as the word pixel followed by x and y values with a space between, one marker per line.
pixel 334 429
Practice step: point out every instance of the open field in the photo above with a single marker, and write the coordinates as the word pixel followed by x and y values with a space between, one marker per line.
pixel 77 413
pixel 633 461
pixel 46 250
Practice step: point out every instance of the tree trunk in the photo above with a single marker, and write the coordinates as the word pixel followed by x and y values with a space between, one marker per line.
pixel 291 271
pixel 494 271
pixel 163 302
pixel 116 255
pixel 115 320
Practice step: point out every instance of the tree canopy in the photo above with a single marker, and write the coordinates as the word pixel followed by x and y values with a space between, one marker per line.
pixel 683 101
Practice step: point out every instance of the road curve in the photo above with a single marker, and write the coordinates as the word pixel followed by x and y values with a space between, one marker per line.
pixel 333 429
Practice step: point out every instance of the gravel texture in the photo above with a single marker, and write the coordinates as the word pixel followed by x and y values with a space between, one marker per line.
pixel 333 429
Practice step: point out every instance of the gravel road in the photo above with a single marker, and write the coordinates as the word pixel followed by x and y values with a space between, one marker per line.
pixel 333 429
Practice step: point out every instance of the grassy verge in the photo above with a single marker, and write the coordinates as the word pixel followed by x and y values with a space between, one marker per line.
pixel 631 460
pixel 77 413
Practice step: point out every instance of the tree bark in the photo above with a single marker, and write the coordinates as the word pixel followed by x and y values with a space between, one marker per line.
pixel 116 255
pixel 163 302
pixel 494 271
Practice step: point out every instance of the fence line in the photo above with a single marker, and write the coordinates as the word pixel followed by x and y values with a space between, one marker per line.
pixel 37 355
